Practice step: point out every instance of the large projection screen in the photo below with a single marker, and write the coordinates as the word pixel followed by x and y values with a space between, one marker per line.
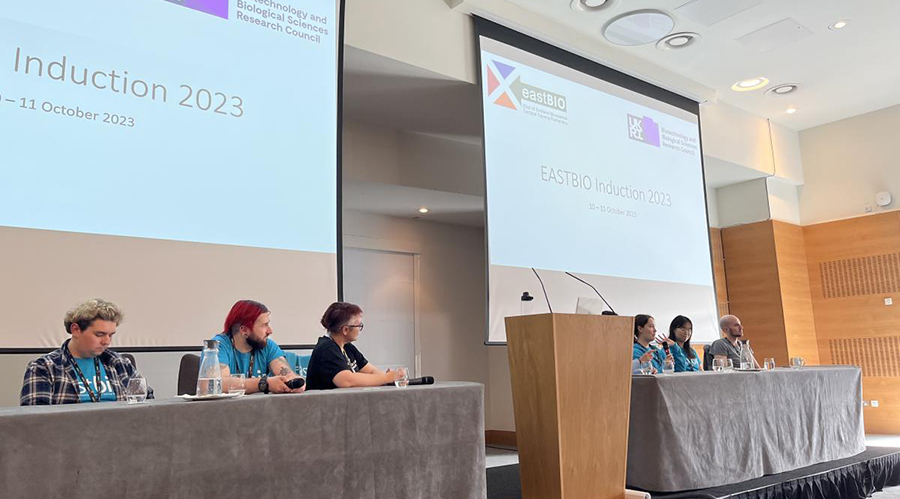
pixel 592 172
pixel 172 156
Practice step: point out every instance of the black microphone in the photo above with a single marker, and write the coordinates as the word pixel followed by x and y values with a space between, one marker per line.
pixel 573 276
pixel 424 380
pixel 295 383
pixel 543 288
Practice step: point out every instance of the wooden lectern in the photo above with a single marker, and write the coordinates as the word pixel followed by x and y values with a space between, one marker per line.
pixel 571 384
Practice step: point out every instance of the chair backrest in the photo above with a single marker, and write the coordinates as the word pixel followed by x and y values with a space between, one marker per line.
pixel 187 374
pixel 299 363
pixel 129 357
pixel 707 359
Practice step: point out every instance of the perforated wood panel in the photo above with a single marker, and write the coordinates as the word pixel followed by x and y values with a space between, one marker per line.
pixel 868 275
pixel 877 357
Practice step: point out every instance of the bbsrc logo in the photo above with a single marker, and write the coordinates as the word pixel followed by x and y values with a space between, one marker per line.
pixel 218 8
pixel 509 84
pixel 643 129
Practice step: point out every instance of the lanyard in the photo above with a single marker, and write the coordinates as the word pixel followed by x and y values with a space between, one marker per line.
pixel 94 398
pixel 252 358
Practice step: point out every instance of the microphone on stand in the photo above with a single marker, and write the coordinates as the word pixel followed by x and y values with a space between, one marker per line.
pixel 573 276
pixel 543 288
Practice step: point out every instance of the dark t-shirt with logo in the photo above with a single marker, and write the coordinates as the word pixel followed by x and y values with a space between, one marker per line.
pixel 328 360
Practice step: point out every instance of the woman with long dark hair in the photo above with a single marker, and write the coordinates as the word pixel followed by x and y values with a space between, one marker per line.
pixel 644 333
pixel 680 331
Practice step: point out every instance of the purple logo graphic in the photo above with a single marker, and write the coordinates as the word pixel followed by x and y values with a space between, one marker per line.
pixel 643 129
pixel 218 8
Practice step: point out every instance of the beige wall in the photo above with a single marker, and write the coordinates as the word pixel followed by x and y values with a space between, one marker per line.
pixel 846 163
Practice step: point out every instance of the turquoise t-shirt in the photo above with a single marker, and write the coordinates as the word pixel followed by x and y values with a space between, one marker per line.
pixel 239 362
pixel 658 360
pixel 682 362
pixel 107 394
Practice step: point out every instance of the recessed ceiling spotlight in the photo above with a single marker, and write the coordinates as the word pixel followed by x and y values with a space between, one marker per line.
pixel 838 24
pixel 591 5
pixel 423 210
pixel 784 89
pixel 750 84
pixel 638 27
pixel 791 110
pixel 677 41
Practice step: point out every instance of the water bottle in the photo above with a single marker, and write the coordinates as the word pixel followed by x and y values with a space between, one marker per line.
pixel 526 303
pixel 746 356
pixel 209 379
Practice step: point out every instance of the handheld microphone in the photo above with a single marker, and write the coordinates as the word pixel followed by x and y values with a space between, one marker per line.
pixel 666 347
pixel 295 383
pixel 573 276
pixel 424 380
pixel 544 289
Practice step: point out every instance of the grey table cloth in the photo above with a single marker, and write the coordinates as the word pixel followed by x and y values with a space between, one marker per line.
pixel 415 442
pixel 698 430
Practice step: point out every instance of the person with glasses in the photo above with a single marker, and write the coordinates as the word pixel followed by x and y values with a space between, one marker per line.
pixel 680 331
pixel 335 362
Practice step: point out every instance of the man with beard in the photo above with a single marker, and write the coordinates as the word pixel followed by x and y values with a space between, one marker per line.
pixel 729 346
pixel 245 348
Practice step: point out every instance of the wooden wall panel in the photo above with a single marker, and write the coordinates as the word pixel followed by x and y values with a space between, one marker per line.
pixel 796 302
pixel 718 260
pixel 754 291
pixel 850 275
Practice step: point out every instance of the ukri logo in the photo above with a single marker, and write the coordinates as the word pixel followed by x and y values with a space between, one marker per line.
pixel 643 129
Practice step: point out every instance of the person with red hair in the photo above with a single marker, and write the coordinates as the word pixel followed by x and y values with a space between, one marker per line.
pixel 245 347
pixel 335 362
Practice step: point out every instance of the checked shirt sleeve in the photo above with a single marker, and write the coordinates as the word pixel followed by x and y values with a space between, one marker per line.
pixel 37 388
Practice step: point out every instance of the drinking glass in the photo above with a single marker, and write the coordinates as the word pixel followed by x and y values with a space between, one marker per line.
pixel 729 365
pixel 236 383
pixel 136 390
pixel 646 367
pixel 797 362
pixel 403 381
pixel 718 365
pixel 669 367
pixel 769 364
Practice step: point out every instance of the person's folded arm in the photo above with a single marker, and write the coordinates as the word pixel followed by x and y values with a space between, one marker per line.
pixel 350 379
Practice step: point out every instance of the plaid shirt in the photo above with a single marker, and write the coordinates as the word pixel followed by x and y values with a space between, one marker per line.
pixel 51 379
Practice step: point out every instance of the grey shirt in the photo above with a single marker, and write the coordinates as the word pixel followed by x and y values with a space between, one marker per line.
pixel 724 347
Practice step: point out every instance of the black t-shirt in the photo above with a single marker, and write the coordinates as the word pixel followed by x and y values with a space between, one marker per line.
pixel 327 361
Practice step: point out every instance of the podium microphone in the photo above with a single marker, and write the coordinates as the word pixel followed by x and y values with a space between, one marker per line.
pixel 573 276
pixel 545 289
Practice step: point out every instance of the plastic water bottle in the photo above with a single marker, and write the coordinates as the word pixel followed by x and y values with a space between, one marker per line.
pixel 746 356
pixel 209 379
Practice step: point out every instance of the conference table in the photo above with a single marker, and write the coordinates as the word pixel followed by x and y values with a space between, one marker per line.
pixel 698 430
pixel 414 442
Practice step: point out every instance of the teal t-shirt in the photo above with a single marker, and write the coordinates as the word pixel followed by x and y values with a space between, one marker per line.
pixel 658 360
pixel 682 362
pixel 239 362
pixel 107 394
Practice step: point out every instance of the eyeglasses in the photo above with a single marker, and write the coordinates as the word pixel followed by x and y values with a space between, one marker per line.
pixel 360 325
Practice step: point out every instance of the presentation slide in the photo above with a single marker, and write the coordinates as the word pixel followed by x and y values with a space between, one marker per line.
pixel 587 177
pixel 209 122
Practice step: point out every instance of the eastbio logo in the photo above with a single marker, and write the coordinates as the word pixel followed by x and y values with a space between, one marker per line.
pixel 500 89
pixel 218 8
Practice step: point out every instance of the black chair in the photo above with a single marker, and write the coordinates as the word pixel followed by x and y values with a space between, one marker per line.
pixel 707 359
pixel 129 357
pixel 187 374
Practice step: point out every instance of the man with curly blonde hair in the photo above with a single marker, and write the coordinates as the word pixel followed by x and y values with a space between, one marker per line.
pixel 83 369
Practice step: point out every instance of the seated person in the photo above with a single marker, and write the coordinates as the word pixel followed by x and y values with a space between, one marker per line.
pixel 729 346
pixel 335 362
pixel 644 333
pixel 680 331
pixel 245 347
pixel 83 369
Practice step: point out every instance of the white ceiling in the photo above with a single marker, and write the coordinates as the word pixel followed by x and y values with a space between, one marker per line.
pixel 404 201
pixel 843 73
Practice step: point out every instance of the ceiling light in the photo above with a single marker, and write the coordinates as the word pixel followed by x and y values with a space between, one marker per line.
pixel 638 27
pixel 783 89
pixel 590 5
pixel 838 24
pixel 677 41
pixel 791 110
pixel 750 84
pixel 423 210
